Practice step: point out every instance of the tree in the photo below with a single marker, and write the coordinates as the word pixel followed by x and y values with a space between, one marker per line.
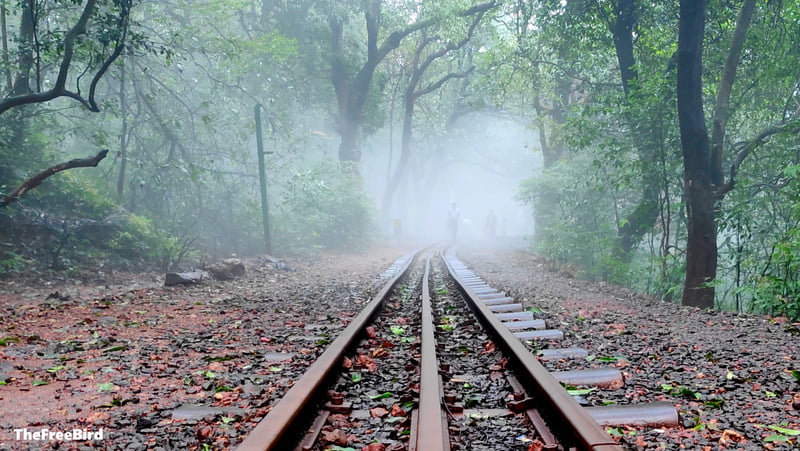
pixel 644 215
pixel 421 62
pixel 704 184
pixel 22 94
pixel 701 246
pixel 352 87
pixel 109 28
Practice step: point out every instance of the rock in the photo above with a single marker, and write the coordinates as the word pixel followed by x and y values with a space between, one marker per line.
pixel 6 370
pixel 229 268
pixel 185 278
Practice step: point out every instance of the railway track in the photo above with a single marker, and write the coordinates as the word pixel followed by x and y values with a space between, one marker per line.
pixel 439 360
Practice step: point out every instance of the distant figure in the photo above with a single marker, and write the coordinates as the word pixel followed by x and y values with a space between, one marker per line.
pixel 452 221
pixel 490 229
pixel 397 227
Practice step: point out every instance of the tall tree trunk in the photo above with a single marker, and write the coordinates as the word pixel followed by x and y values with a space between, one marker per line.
pixel 351 95
pixel 25 58
pixel 6 58
pixel 552 145
pixel 701 248
pixel 551 140
pixel 405 154
pixel 123 136
pixel 722 105
pixel 17 121
pixel 645 214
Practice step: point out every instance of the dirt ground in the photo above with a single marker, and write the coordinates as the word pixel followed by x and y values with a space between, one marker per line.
pixel 196 367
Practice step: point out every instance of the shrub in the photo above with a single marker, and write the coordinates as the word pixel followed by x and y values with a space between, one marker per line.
pixel 323 208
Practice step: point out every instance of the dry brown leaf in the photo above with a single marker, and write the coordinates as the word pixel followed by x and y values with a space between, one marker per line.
pixel 729 435
pixel 378 412
pixel 398 411
pixel 336 436
pixel 374 447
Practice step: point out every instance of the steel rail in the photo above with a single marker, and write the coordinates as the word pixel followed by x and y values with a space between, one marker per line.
pixel 432 428
pixel 572 418
pixel 270 431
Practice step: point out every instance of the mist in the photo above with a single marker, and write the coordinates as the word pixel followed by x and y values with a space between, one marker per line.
pixel 480 171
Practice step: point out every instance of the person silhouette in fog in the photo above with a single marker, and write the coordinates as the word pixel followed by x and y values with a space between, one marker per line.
pixel 490 228
pixel 452 221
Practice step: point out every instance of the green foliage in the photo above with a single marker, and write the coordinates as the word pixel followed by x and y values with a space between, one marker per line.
pixel 323 208
pixel 777 290
pixel 11 262
pixel 77 225
pixel 579 225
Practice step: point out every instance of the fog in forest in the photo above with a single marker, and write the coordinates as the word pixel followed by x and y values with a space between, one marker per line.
pixel 479 170
pixel 149 109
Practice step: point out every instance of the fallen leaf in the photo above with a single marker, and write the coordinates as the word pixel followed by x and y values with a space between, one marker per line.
pixel 378 412
pixel 398 411
pixel 216 366
pixel 336 436
pixel 729 435
pixel 339 420
pixel 616 384
pixel 366 362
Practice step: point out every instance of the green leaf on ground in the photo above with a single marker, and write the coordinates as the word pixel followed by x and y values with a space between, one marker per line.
pixel 784 430
pixel 776 438
pixel 398 330
pixel 383 395
pixel 105 386
pixel 580 391
pixel 8 340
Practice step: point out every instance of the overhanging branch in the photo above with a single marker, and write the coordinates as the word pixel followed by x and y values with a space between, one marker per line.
pixel 34 181
pixel 59 89
pixel 792 127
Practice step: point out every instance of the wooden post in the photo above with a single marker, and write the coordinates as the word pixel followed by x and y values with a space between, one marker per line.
pixel 262 176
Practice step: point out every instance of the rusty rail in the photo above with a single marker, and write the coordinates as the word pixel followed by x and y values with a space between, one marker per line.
pixel 573 419
pixel 269 432
pixel 432 422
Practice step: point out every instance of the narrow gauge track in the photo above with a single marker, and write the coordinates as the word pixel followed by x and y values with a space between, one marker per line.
pixel 416 370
